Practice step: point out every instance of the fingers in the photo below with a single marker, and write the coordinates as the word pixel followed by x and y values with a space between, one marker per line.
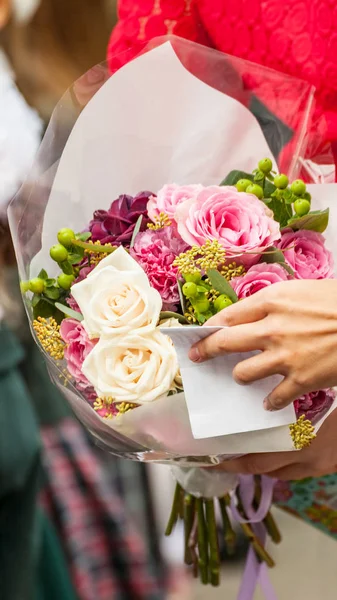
pixel 242 338
pixel 284 394
pixel 248 310
pixel 259 464
pixel 257 367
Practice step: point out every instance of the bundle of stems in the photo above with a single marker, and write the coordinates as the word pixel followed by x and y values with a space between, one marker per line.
pixel 201 534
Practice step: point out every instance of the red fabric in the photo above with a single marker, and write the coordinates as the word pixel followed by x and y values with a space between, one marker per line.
pixel 298 37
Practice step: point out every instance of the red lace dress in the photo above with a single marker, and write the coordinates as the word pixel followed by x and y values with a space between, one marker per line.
pixel 298 37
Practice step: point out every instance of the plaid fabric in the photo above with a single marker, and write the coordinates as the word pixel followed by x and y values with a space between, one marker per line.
pixel 107 559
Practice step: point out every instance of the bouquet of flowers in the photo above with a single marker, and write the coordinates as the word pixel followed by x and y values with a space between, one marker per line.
pixel 119 281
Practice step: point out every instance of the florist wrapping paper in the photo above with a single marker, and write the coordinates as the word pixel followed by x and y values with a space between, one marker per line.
pixel 111 150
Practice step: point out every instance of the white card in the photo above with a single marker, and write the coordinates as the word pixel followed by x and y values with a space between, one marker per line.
pixel 217 405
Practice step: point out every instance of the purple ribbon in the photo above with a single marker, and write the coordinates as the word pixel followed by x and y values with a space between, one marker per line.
pixel 255 572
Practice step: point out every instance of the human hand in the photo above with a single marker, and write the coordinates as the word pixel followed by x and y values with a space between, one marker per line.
pixel 319 459
pixel 294 325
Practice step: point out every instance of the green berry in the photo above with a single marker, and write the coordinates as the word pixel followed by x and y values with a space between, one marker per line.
pixel 302 207
pixel 222 302
pixel 192 277
pixel 58 253
pixel 36 285
pixel 65 281
pixel 265 165
pixel 24 286
pixel 242 185
pixel 281 181
pixel 201 305
pixel 298 187
pixel 65 237
pixel 255 189
pixel 190 289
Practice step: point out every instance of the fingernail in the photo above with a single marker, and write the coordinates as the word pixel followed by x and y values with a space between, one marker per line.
pixel 267 405
pixel 194 354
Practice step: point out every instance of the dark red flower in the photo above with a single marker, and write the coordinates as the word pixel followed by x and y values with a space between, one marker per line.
pixel 116 225
pixel 314 405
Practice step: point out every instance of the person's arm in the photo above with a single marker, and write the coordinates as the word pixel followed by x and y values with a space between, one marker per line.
pixel 140 21
pixel 294 325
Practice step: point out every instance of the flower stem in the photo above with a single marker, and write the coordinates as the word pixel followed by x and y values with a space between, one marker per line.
pixel 202 542
pixel 214 554
pixel 175 510
pixel 189 511
pixel 269 521
pixel 229 533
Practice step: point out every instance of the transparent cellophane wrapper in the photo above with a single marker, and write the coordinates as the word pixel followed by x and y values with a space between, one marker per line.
pixel 177 113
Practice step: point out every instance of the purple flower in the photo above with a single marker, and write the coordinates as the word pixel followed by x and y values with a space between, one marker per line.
pixel 116 225
pixel 314 405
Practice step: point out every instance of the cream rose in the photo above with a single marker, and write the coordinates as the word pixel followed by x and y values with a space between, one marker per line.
pixel 116 298
pixel 134 369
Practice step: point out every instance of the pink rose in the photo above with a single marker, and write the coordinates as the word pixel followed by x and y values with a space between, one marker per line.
pixel 258 277
pixel 314 405
pixel 155 251
pixel 239 221
pixel 168 199
pixel 78 348
pixel 307 255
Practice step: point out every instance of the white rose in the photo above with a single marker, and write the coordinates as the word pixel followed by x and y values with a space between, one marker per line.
pixel 116 298
pixel 134 369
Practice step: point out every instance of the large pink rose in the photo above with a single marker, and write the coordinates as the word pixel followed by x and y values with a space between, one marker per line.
pixel 169 197
pixel 258 277
pixel 239 221
pixel 305 252
pixel 78 346
pixel 156 251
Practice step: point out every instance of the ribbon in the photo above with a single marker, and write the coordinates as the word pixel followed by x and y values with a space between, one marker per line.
pixel 255 572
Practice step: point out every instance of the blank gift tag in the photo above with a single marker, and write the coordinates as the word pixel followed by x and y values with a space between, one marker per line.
pixel 216 404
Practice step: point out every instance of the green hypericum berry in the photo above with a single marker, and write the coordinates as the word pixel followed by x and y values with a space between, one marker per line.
pixel 190 289
pixel 255 189
pixel 58 253
pixel 37 285
pixel 222 302
pixel 265 165
pixel 298 187
pixel 242 185
pixel 192 277
pixel 201 305
pixel 65 237
pixel 24 286
pixel 281 181
pixel 302 207
pixel 65 281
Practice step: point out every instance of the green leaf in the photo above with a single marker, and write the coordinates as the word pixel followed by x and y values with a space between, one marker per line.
pixel 66 267
pixel 221 284
pixel 268 188
pixel 50 282
pixel 274 255
pixel 53 293
pixel 69 312
pixel 106 248
pixel 83 236
pixel 234 176
pixel 136 230
pixel 167 314
pixel 314 221
pixel 35 300
pixel 181 295
pixel 75 258
pixel 43 275
pixel 44 309
pixel 282 211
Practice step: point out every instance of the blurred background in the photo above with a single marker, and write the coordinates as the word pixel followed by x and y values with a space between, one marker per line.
pixel 76 522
